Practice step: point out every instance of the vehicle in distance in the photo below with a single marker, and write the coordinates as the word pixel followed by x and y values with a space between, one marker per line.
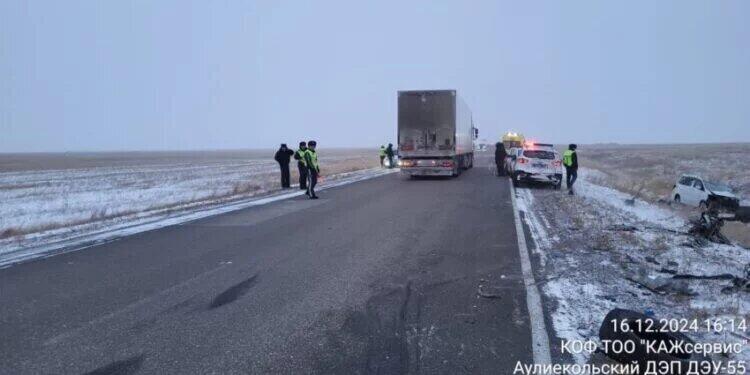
pixel 512 139
pixel 435 133
pixel 538 162
pixel 696 191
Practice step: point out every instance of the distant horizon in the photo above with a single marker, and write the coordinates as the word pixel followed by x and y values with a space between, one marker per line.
pixel 322 148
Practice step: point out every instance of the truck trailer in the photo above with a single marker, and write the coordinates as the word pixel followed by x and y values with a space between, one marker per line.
pixel 435 133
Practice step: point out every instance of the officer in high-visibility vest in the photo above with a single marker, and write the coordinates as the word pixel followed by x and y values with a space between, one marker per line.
pixel 570 161
pixel 313 169
pixel 299 156
pixel 382 154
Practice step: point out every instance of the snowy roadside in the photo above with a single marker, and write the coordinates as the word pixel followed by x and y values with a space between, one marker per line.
pixel 596 252
pixel 84 235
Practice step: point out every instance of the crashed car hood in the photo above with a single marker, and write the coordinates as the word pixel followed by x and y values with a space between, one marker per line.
pixel 724 194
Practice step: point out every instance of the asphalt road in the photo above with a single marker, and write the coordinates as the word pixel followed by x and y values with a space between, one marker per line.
pixel 380 276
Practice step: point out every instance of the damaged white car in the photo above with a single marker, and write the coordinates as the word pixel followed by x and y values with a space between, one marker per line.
pixel 695 191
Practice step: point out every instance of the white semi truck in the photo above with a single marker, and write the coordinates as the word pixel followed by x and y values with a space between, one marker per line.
pixel 435 133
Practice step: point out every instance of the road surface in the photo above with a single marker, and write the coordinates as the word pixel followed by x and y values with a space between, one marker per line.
pixel 380 276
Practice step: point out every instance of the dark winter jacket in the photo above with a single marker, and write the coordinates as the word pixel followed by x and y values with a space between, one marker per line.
pixel 389 151
pixel 574 158
pixel 283 155
pixel 500 153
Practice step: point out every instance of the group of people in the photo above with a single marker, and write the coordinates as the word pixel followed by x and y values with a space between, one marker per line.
pixel 386 152
pixel 307 165
pixel 570 162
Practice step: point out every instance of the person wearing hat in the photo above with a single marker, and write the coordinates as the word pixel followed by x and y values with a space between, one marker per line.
pixel 313 169
pixel 299 156
pixel 282 157
pixel 570 161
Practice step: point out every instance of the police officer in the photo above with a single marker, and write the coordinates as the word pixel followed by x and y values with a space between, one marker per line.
pixel 382 154
pixel 570 161
pixel 313 169
pixel 299 156
pixel 282 157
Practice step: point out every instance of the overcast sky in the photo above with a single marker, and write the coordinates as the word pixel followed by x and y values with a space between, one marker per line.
pixel 149 75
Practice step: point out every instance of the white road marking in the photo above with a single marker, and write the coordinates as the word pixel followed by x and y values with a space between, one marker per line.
pixel 539 337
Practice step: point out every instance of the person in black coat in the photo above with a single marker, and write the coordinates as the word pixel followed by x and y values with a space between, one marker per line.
pixel 389 153
pixel 282 157
pixel 500 155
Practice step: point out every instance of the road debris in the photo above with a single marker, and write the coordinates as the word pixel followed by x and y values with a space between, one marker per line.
pixel 646 247
pixel 489 292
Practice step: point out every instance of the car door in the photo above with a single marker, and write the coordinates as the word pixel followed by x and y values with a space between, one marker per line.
pixel 699 192
pixel 684 189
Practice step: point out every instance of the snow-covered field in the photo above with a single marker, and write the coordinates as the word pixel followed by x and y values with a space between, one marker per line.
pixel 595 253
pixel 655 168
pixel 53 197
pixel 650 171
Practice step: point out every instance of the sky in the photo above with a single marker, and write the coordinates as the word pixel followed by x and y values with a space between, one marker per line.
pixel 179 75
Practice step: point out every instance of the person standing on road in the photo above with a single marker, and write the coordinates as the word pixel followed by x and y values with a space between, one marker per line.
pixel 500 155
pixel 299 156
pixel 389 153
pixel 282 157
pixel 313 169
pixel 570 160
pixel 382 155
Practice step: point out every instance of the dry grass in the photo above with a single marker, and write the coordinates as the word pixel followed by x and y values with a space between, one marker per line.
pixel 738 232
pixel 653 169
pixel 649 172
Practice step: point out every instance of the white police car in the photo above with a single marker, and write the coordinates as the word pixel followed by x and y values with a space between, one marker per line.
pixel 538 162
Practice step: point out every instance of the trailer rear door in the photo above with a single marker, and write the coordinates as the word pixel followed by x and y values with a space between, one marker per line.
pixel 426 121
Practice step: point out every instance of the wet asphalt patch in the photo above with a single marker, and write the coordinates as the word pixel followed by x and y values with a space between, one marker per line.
pixel 124 367
pixel 232 294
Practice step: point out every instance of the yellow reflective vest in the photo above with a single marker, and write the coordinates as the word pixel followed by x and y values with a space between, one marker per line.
pixel 311 159
pixel 301 156
pixel 568 158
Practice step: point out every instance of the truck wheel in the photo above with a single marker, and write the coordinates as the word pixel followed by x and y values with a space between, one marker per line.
pixel 677 198
pixel 471 161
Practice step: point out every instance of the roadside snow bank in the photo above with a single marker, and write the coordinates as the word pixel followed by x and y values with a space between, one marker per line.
pixel 595 252
pixel 78 236
pixel 617 200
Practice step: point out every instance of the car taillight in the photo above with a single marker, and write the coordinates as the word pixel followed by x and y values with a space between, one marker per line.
pixel 557 163
pixel 523 160
pixel 447 163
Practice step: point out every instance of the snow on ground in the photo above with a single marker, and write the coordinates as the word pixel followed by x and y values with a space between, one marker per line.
pixel 46 206
pixel 593 249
